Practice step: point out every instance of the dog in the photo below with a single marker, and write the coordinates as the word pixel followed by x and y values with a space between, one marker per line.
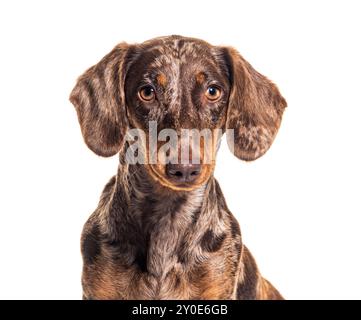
pixel 163 230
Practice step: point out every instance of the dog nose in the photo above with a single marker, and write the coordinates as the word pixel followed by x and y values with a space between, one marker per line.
pixel 183 172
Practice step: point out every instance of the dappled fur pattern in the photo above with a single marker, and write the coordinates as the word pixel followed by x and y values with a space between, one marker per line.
pixel 148 239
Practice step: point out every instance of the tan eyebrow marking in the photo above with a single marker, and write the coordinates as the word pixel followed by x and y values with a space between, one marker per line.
pixel 161 79
pixel 200 78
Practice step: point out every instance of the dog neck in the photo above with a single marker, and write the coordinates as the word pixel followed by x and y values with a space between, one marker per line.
pixel 157 227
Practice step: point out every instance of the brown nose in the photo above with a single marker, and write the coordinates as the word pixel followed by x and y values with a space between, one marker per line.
pixel 183 172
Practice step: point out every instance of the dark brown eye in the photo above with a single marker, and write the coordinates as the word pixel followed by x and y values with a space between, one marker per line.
pixel 147 94
pixel 213 93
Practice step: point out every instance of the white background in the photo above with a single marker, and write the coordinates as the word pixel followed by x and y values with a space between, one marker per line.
pixel 298 206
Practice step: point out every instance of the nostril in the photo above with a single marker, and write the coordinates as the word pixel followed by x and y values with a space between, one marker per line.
pixel 183 173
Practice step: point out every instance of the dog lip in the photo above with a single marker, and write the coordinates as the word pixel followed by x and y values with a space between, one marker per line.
pixel 185 185
pixel 182 184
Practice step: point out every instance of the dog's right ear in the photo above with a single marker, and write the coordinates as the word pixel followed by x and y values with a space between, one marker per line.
pixel 98 97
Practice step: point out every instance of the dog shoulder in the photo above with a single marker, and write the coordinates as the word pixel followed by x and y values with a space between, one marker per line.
pixel 251 285
pixel 91 238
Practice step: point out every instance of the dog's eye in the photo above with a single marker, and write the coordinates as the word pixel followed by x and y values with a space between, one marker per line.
pixel 147 93
pixel 213 93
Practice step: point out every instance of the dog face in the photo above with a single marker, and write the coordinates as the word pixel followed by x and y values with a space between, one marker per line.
pixel 178 83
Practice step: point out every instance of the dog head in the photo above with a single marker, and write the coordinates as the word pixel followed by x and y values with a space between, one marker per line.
pixel 194 90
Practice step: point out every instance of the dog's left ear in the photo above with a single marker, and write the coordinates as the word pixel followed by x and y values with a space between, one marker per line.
pixel 255 108
pixel 98 97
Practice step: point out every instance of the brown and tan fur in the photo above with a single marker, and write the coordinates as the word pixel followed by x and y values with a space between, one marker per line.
pixel 151 238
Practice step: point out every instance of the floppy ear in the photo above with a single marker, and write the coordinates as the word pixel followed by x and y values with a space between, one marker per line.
pixel 98 97
pixel 255 108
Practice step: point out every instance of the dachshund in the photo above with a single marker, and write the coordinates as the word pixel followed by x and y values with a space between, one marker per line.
pixel 163 230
